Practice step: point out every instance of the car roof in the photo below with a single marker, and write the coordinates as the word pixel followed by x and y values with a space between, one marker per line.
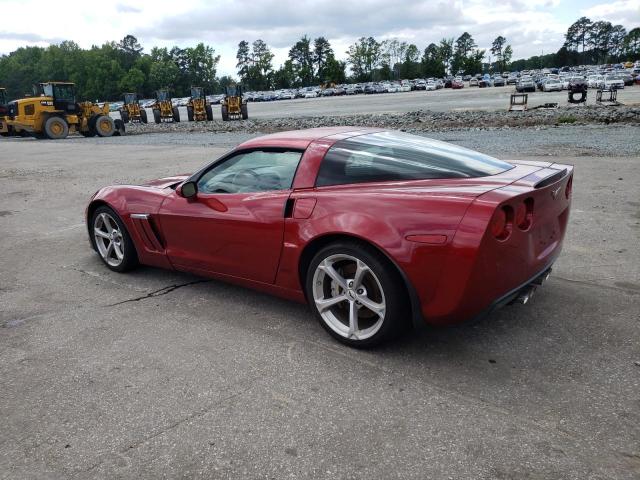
pixel 300 139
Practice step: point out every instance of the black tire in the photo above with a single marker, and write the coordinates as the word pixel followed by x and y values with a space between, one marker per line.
pixel 55 128
pixel 120 129
pixel 156 115
pixel 190 114
pixel 130 258
pixel 209 111
pixel 176 114
pixel 244 111
pixel 143 115
pixel 582 96
pixel 125 116
pixel 105 126
pixel 396 313
pixel 225 113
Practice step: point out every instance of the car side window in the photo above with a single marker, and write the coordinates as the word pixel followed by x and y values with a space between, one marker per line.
pixel 255 171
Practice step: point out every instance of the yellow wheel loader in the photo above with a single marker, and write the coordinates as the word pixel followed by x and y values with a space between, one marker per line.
pixel 163 109
pixel 198 108
pixel 5 131
pixel 233 106
pixel 131 111
pixel 53 112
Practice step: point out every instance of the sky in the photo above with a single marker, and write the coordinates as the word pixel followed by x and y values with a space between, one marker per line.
pixel 531 27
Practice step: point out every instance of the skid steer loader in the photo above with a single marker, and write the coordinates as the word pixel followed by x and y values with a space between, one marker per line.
pixel 198 108
pixel 131 111
pixel 53 112
pixel 163 109
pixel 233 106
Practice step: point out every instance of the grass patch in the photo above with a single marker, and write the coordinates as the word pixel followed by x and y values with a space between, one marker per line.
pixel 567 119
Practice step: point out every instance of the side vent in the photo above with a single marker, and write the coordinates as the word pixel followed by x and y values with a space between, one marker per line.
pixel 147 233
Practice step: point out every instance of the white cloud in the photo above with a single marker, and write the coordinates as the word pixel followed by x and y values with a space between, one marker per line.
pixel 625 12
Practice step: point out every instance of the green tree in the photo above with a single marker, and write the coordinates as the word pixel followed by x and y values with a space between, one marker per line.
pixel 432 64
pixel 364 56
pixel 244 60
pixel 445 53
pixel 322 53
pixel 578 34
pixel 632 44
pixel 302 61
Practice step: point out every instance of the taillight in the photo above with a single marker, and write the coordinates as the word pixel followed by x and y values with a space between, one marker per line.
pixel 524 214
pixel 501 222
pixel 568 189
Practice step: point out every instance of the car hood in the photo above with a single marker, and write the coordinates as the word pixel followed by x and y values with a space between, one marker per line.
pixel 167 181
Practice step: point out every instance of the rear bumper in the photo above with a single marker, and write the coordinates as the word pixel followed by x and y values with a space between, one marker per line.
pixel 522 292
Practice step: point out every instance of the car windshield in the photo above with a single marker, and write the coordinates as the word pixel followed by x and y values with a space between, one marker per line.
pixel 394 156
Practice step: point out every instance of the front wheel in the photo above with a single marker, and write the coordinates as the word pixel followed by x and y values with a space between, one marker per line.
pixel 111 240
pixel 356 294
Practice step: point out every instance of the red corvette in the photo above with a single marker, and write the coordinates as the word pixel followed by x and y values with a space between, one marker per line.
pixel 375 229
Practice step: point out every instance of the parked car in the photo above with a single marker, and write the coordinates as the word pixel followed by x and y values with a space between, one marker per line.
pixel 612 82
pixel 525 84
pixel 499 81
pixel 327 231
pixel 311 94
pixel 457 84
pixel 473 82
pixel 552 85
pixel 430 86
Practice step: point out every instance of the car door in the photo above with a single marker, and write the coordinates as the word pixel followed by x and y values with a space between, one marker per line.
pixel 235 223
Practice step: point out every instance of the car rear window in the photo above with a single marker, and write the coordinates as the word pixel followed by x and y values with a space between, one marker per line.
pixel 393 156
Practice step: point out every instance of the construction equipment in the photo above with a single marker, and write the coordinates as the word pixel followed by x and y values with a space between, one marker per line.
pixel 233 106
pixel 5 131
pixel 163 109
pixel 198 108
pixel 131 110
pixel 53 112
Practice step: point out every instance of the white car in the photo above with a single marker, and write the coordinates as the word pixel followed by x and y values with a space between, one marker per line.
pixel 405 87
pixel 431 86
pixel 594 81
pixel 612 82
pixel 311 94
pixel 552 85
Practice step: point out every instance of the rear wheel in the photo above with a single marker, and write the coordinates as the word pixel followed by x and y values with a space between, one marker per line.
pixel 105 126
pixel 176 114
pixel 156 115
pixel 190 114
pixel 209 111
pixel 112 241
pixel 55 128
pixel 244 111
pixel 356 294
pixel 143 115
pixel 225 113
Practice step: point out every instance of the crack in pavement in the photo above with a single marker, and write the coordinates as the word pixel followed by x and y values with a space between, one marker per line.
pixel 159 292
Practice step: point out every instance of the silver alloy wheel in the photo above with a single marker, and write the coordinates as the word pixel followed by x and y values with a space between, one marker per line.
pixel 108 238
pixel 349 297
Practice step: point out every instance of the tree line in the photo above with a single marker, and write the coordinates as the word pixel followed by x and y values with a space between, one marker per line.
pixel 589 43
pixel 105 72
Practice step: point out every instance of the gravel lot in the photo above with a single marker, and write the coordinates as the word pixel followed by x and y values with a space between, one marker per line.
pixel 158 374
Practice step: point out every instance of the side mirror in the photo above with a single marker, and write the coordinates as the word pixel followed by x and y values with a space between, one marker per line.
pixel 188 189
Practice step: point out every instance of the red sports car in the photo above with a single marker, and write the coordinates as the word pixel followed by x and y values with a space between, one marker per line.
pixel 375 229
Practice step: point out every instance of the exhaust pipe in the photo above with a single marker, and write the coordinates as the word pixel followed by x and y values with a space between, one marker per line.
pixel 542 278
pixel 525 295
